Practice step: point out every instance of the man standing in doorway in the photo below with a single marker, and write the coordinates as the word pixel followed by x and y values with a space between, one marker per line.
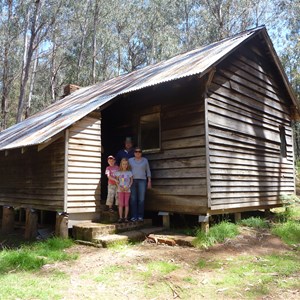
pixel 127 152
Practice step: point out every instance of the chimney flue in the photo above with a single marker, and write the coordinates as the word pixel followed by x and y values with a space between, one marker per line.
pixel 69 89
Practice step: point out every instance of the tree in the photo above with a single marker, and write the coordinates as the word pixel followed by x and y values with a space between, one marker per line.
pixel 37 23
pixel 45 44
pixel 9 34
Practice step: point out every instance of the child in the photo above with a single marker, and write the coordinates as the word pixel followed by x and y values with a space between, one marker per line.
pixel 110 172
pixel 124 177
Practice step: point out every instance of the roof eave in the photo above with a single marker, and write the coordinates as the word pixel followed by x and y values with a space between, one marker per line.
pixel 281 70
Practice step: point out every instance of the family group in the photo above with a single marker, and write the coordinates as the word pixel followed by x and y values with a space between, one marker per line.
pixel 128 178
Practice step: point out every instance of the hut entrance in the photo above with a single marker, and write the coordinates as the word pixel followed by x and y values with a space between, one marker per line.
pixel 117 122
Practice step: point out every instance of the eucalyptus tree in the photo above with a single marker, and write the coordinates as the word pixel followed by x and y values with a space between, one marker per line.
pixel 10 29
pixel 291 50
pixel 39 17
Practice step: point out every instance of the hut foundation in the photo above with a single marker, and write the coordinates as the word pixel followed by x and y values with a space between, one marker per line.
pixel 8 219
pixel 61 225
pixel 31 224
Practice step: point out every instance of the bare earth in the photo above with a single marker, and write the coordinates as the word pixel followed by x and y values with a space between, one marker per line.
pixel 121 273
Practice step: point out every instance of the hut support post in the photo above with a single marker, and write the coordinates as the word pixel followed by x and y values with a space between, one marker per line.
pixel 8 219
pixel 31 224
pixel 204 222
pixel 237 217
pixel 61 225
pixel 165 218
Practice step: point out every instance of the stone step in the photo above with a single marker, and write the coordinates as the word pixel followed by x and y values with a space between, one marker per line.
pixel 89 231
pixel 126 237
pixel 109 217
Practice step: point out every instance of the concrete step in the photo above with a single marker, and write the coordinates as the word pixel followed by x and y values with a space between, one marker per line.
pixel 109 217
pixel 90 231
pixel 122 238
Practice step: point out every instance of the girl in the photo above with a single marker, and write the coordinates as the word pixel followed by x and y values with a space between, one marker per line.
pixel 124 177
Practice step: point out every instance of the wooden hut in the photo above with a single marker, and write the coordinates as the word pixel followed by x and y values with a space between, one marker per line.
pixel 215 124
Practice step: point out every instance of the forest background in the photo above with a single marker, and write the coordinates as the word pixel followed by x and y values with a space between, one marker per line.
pixel 46 44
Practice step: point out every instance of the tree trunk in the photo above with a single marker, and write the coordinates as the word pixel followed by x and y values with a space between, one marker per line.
pixel 27 58
pixel 32 80
pixel 82 44
pixel 96 14
pixel 6 69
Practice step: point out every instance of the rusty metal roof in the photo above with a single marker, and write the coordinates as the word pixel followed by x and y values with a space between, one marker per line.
pixel 42 126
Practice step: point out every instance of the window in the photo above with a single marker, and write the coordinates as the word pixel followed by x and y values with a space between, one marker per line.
pixel 283 151
pixel 149 132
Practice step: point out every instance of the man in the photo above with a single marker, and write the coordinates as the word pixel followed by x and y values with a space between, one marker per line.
pixel 127 152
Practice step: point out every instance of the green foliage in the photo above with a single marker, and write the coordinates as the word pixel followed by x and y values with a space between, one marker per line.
pixel 216 234
pixel 33 257
pixel 289 199
pixel 254 222
pixel 108 38
pixel 289 232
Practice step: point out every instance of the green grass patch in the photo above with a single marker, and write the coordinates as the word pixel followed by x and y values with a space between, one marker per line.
pixel 254 222
pixel 255 276
pixel 34 256
pixel 216 234
pixel 30 285
pixel 118 245
pixel 285 214
pixel 208 264
pixel 158 268
pixel 108 274
pixel 190 280
pixel 289 232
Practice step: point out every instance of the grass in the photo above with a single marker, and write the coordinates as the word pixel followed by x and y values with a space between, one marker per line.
pixel 161 267
pixel 119 245
pixel 256 276
pixel 253 277
pixel 254 222
pixel 289 232
pixel 108 274
pixel 19 276
pixel 31 285
pixel 216 234
pixel 34 256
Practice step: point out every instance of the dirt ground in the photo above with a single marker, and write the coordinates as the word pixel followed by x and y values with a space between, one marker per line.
pixel 113 273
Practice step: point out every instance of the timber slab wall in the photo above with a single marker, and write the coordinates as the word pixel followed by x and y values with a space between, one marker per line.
pixel 250 162
pixel 34 178
pixel 83 169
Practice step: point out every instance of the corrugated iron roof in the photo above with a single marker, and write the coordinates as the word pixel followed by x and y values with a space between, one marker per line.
pixel 62 114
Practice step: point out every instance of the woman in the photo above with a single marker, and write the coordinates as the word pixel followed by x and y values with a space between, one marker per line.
pixel 141 179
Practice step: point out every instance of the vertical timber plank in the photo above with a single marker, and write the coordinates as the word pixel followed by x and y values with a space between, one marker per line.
pixel 237 217
pixel 207 154
pixel 66 170
pixel 8 219
pixel 61 225
pixel 31 224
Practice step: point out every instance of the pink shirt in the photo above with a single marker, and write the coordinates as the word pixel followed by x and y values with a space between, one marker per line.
pixel 111 171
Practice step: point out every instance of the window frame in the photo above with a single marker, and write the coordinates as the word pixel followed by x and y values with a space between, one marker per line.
pixel 155 111
pixel 283 143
